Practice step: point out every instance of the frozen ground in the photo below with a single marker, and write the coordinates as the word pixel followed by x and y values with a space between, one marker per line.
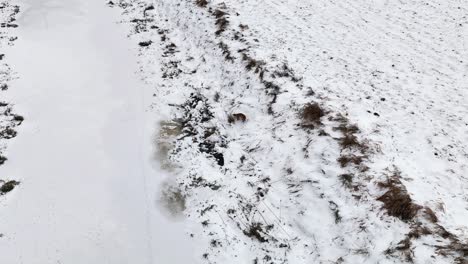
pixel 279 131
pixel 353 147
pixel 84 156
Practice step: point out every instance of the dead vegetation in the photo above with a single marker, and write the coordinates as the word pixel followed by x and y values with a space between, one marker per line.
pixel 346 160
pixel 7 186
pixel 251 64
pixel 226 52
pixel 221 21
pixel 201 3
pixel 397 202
pixel 195 124
pixel 311 115
pixel 258 231
pixel 346 179
pixel 285 72
pixel 145 43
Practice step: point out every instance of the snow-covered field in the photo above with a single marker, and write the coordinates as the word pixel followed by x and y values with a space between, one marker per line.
pixel 83 153
pixel 353 147
pixel 277 131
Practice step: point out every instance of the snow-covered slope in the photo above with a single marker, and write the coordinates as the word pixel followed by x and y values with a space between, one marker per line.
pixel 311 131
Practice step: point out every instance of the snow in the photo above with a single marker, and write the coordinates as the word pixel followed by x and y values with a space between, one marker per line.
pixel 83 157
pixel 168 171
pixel 382 65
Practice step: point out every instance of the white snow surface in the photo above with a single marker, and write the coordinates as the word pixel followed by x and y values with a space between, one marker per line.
pixel 272 189
pixel 88 191
pixel 397 70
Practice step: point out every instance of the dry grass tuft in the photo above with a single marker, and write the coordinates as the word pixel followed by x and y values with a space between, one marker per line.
pixel 311 115
pixel 221 21
pixel 346 160
pixel 258 231
pixel 201 3
pixel 226 52
pixel 8 187
pixel 396 199
pixel 346 180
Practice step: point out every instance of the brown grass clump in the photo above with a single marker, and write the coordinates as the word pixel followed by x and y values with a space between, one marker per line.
pixel 396 199
pixel 346 160
pixel 145 43
pixel 419 231
pixel 226 52
pixel 258 231
pixel 8 187
pixel 430 215
pixel 253 64
pixel 201 3
pixel 349 141
pixel 347 129
pixel 347 180
pixel 311 115
pixel 221 21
